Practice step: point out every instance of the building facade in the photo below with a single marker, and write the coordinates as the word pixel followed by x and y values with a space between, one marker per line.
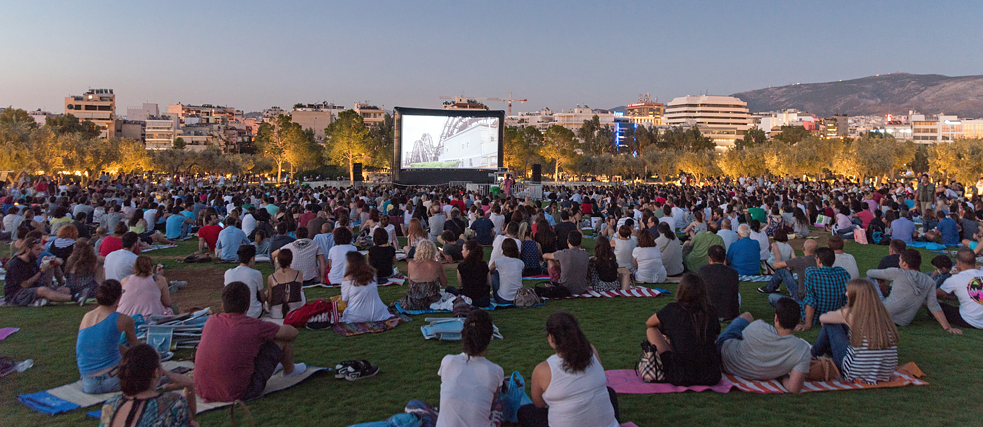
pixel 205 113
pixel 724 119
pixel 315 117
pixel 141 113
pixel 97 106
pixel 645 112
pixel 370 113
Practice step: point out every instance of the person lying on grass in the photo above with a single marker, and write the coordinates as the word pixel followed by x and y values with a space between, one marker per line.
pixel 238 354
pixel 755 350
pixel 469 383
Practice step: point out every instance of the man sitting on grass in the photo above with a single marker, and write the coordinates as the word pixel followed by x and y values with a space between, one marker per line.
pixel 570 266
pixel 755 350
pixel 745 254
pixel 825 288
pixel 24 284
pixel 966 285
pixel 910 290
pixel 238 354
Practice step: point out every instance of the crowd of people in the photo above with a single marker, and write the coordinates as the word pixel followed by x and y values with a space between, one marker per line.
pixel 72 243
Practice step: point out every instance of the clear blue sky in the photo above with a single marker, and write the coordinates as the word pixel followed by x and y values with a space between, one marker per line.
pixel 253 55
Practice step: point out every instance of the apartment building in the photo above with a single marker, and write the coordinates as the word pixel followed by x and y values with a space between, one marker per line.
pixel 205 113
pixel 645 112
pixel 315 116
pixel 97 106
pixel 724 119
pixel 370 113
pixel 161 131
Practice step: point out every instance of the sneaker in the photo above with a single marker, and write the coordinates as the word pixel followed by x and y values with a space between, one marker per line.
pixel 363 370
pixel 82 297
pixel 342 369
pixel 180 284
pixel 764 290
pixel 40 302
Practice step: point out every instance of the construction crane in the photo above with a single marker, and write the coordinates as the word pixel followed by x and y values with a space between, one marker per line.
pixel 510 100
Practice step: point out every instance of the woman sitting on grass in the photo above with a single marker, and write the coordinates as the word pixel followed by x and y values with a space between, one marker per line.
pixel 425 276
pixel 414 235
pixel 530 252
pixel 861 337
pixel 603 268
pixel 141 405
pixel 472 275
pixel 143 293
pixel 382 256
pixel 569 388
pixel 97 350
pixel 684 333
pixel 801 224
pixel 469 383
pixel 82 270
pixel 506 273
pixel 360 292
pixel 285 291
pixel 647 259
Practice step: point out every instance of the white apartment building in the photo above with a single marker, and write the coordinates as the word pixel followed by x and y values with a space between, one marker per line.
pixel 40 117
pixel 541 119
pixel 724 119
pixel 931 129
pixel 370 113
pixel 161 131
pixel 973 129
pixel 316 117
pixel 774 120
pixel 141 113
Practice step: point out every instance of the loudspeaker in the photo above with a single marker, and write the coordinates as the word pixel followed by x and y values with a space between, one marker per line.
pixel 357 172
pixel 537 172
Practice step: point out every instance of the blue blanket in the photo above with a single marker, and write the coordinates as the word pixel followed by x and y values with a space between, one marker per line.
pixel 46 403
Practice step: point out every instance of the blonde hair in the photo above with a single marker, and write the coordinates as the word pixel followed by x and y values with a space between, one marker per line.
pixel 523 230
pixel 425 251
pixel 868 318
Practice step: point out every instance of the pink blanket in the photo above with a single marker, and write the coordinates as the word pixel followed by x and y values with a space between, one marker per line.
pixel 5 332
pixel 625 381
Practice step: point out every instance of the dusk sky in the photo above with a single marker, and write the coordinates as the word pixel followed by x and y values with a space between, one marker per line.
pixel 253 55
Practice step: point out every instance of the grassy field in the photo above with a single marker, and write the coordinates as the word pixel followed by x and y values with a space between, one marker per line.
pixel 409 364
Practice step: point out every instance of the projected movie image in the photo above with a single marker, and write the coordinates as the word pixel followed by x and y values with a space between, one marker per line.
pixel 440 142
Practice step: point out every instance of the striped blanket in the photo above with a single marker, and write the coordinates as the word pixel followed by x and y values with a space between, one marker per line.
pixel 391 282
pixel 907 374
pixel 635 291
pixel 352 329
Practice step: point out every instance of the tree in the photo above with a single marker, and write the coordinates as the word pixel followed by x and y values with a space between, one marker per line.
pixel 276 138
pixel 521 147
pixel 179 143
pixel 68 123
pixel 646 136
pixel 382 142
pixel 874 157
pixel 558 144
pixel 346 140
pixel 961 159
pixel 664 163
pixel 596 139
pixel 17 116
pixel 700 164
pixel 752 138
pixel 677 138
pixel 919 164
pixel 791 134
pixel 748 161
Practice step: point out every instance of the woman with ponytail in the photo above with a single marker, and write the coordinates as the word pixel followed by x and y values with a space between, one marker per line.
pixel 569 388
pixel 141 404
pixel 685 334
pixel 469 383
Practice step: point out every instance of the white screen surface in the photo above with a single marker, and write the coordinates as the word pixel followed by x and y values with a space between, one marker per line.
pixel 440 142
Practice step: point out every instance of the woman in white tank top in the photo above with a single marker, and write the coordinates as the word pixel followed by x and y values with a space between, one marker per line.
pixel 568 389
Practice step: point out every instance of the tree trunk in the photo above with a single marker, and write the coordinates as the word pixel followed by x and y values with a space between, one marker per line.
pixel 279 171
pixel 351 170
pixel 556 171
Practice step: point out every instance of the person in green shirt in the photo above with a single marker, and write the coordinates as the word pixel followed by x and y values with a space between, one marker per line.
pixel 699 245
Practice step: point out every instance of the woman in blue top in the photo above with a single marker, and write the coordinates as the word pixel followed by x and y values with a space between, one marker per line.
pixel 98 351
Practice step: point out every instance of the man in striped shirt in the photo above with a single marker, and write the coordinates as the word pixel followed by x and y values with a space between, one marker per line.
pixel 825 288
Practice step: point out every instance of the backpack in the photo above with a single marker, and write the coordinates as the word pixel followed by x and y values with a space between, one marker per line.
pixel 298 318
pixel 875 235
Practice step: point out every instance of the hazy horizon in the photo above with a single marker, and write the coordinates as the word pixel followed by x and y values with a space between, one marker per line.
pixel 254 55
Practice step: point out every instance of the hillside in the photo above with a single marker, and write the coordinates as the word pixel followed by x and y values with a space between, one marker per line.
pixel 883 94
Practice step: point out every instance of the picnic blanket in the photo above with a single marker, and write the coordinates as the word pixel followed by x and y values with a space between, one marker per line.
pixel 359 328
pixel 754 278
pixel 907 374
pixel 635 291
pixel 6 332
pixel 70 397
pixel 392 281
pixel 626 381
pixel 155 247
pixel 932 246
pixel 537 277
pixel 401 310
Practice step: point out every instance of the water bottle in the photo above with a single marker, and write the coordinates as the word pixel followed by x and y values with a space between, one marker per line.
pixel 25 365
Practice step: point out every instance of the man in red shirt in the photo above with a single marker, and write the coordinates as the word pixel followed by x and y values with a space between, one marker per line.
pixel 238 354
pixel 307 216
pixel 208 235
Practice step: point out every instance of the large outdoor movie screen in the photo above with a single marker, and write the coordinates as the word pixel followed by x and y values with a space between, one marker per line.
pixel 449 142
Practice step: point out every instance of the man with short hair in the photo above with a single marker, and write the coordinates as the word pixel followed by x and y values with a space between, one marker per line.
pixel 727 233
pixel 755 350
pixel 11 221
pixel 436 221
pixel 843 259
pixel 563 229
pixel 325 239
pixel 252 277
pixel 307 257
pixel 910 290
pixel 238 354
pixel 783 274
pixel 926 193
pixel 229 240
pixel 966 285
pixel 825 288
pixel 570 265
pixel 81 224
pixel 24 283
pixel 315 225
pixel 119 263
pixel 511 231
pixel 745 254
pixel 700 245
pixel 722 283
pixel 903 229
pixel 176 225
pixel 484 230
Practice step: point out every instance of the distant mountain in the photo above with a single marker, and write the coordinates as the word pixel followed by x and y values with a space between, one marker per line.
pixel 894 93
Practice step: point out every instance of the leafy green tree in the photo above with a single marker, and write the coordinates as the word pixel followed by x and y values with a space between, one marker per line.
pixel 382 142
pixel 752 138
pixel 664 163
pixel 701 164
pixel 792 134
pixel 558 145
pixel 961 159
pixel 17 116
pixel 677 138
pixel 278 139
pixel 346 140
pixel 919 164
pixel 646 136
pixel 68 123
pixel 179 143
pixel 596 139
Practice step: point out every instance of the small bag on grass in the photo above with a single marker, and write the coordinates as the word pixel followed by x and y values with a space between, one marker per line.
pixel 513 397
pixel 525 297
pixel 822 369
pixel 649 365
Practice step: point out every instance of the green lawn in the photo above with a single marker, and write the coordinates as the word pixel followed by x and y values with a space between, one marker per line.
pixel 615 326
